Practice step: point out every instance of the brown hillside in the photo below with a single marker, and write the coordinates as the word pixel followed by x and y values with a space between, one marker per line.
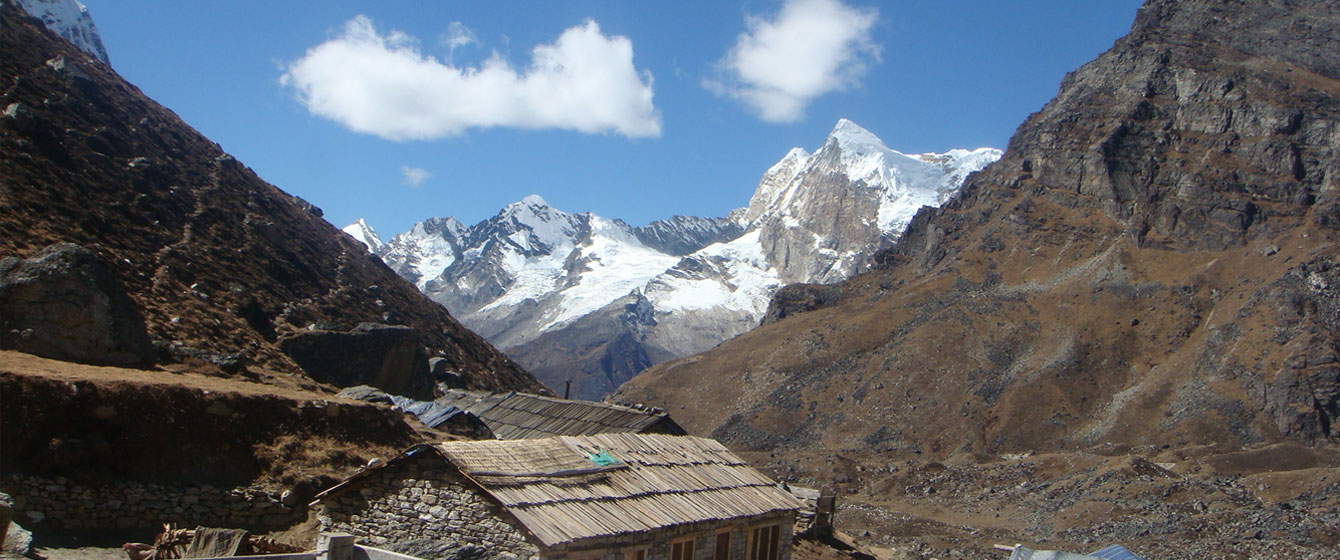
pixel 1125 331
pixel 223 265
pixel 1153 262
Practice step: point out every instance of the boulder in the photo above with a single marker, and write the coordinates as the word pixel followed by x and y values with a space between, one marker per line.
pixel 799 298
pixel 67 303
pixel 366 393
pixel 389 357
pixel 18 541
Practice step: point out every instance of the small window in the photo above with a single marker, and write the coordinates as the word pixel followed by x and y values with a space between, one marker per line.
pixel 587 555
pixel 722 550
pixel 635 554
pixel 681 550
pixel 763 543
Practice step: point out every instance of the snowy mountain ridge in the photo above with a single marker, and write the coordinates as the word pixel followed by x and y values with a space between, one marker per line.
pixel 805 204
pixel 71 21
pixel 364 233
pixel 544 284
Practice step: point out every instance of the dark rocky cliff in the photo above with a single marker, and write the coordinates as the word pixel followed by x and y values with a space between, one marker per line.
pixel 221 264
pixel 1150 263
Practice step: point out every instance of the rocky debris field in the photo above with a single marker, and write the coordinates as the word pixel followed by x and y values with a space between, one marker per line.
pixel 1278 501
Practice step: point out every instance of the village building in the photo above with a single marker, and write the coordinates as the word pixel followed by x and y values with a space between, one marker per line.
pixel 516 415
pixel 602 497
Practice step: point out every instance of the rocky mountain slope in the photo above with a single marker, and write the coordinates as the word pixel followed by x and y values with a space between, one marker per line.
pixel 580 297
pixel 1148 274
pixel 1151 263
pixel 225 270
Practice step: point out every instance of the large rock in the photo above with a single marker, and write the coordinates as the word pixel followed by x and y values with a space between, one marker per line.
pixel 799 298
pixel 18 542
pixel 389 357
pixel 66 303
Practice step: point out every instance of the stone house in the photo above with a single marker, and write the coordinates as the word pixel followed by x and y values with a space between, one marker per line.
pixel 602 497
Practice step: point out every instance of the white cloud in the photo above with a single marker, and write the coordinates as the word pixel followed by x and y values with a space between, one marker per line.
pixel 381 84
pixel 812 47
pixel 458 35
pixel 414 176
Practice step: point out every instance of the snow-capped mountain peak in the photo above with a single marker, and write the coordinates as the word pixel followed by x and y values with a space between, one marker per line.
pixel 531 200
pixel 536 227
pixel 364 233
pixel 853 139
pixel 824 214
pixel 71 21
pixel 575 294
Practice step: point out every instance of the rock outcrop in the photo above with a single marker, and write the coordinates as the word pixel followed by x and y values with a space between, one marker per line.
pixel 220 263
pixel 799 298
pixel 67 303
pixel 1149 264
pixel 388 357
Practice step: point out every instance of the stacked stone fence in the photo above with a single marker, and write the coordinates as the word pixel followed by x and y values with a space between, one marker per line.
pixel 60 504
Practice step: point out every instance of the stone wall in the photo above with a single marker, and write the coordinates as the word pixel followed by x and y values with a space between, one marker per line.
pixel 58 503
pixel 421 506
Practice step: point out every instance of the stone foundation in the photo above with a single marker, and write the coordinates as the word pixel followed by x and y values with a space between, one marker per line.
pixel 47 503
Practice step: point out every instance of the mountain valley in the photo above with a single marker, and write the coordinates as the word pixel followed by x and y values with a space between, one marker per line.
pixel 1123 329
pixel 579 298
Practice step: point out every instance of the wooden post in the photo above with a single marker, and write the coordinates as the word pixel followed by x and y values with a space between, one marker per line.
pixel 335 546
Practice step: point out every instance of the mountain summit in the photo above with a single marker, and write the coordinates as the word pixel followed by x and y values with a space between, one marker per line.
pixel 821 216
pixel 71 21
pixel 582 297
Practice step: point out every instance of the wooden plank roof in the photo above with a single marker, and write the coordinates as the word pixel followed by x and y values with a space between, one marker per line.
pixel 528 416
pixel 560 494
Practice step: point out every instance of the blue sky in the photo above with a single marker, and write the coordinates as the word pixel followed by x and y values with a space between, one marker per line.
pixel 398 111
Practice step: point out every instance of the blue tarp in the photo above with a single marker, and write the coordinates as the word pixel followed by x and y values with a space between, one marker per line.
pixel 432 414
pixel 603 458
pixel 1114 552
